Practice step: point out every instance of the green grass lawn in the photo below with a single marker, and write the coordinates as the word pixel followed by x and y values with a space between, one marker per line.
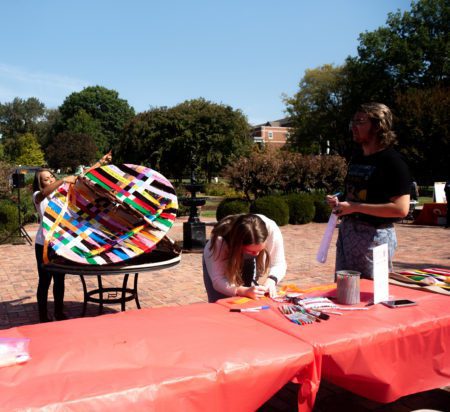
pixel 425 199
pixel 209 209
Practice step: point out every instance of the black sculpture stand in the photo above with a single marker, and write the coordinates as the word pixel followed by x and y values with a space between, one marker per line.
pixel 194 235
pixel 194 231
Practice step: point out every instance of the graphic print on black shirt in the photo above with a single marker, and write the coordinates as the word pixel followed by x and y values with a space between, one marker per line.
pixel 357 180
pixel 375 179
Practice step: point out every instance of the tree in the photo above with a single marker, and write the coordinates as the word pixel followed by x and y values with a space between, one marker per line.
pixel 195 135
pixel 424 130
pixel 99 111
pixel 413 48
pixel 208 134
pixel 29 151
pixel 20 117
pixel 316 112
pixel 262 173
pixel 256 174
pixel 398 64
pixel 69 150
pixel 146 138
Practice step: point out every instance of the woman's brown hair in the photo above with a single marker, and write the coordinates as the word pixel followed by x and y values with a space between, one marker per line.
pixel 238 231
pixel 37 180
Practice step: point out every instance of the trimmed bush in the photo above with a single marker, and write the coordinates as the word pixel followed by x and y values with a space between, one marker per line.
pixel 231 206
pixel 323 211
pixel 9 217
pixel 220 189
pixel 274 207
pixel 182 209
pixel 301 208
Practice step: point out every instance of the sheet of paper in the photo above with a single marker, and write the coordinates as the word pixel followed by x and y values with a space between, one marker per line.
pixel 326 239
pixel 380 273
pixel 439 192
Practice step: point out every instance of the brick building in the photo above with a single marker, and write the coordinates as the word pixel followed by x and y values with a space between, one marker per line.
pixel 273 133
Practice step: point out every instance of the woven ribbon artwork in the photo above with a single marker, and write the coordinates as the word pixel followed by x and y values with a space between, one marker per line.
pixel 111 214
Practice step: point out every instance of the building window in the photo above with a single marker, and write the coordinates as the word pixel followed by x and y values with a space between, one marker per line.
pixel 270 135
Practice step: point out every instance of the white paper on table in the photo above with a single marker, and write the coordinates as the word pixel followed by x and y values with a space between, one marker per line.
pixel 380 273
pixel 326 239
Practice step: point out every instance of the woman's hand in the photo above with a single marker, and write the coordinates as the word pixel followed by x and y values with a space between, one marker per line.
pixel 340 208
pixel 252 292
pixel 106 159
pixel 332 201
pixel 271 287
pixel 70 179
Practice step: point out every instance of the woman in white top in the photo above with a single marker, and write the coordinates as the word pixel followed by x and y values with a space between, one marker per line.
pixel 242 249
pixel 44 185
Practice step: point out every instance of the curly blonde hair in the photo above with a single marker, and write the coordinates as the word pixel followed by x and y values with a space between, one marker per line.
pixel 381 116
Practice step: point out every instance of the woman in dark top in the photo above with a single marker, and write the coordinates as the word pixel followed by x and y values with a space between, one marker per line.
pixel 377 192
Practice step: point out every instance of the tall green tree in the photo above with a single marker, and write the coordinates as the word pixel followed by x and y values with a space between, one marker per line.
pixel 412 49
pixel 99 111
pixel 423 123
pixel 208 134
pixel 406 62
pixel 17 118
pixel 146 138
pixel 196 135
pixel 70 149
pixel 318 124
pixel 29 151
pixel 20 116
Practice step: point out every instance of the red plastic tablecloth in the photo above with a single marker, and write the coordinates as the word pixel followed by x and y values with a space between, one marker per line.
pixel 430 213
pixel 191 358
pixel 382 353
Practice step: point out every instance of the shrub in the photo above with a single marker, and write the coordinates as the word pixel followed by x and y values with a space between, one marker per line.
pixel 323 211
pixel 255 175
pixel 219 189
pixel 9 218
pixel 274 207
pixel 301 208
pixel 231 206
pixel 182 209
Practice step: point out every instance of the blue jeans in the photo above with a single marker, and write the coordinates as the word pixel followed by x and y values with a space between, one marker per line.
pixel 355 242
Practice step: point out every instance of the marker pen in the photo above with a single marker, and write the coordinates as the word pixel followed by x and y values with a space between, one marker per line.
pixel 337 194
pixel 255 309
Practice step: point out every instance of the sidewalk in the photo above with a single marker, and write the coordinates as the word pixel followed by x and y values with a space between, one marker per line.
pixel 419 247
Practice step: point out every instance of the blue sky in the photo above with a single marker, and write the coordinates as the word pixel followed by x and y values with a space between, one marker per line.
pixel 243 53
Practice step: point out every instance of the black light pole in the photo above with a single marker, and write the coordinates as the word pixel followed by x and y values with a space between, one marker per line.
pixel 18 183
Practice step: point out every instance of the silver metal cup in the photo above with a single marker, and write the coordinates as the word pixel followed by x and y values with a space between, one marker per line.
pixel 348 292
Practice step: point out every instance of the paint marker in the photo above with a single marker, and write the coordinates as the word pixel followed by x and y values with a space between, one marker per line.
pixel 337 194
pixel 256 309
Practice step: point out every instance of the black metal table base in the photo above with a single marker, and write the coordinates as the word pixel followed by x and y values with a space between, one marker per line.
pixel 113 295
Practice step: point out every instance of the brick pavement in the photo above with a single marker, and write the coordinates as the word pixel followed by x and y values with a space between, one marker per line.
pixel 419 246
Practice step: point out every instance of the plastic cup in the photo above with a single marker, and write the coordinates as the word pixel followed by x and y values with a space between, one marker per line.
pixel 348 292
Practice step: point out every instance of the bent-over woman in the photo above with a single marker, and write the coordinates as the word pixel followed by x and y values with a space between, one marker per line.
pixel 242 250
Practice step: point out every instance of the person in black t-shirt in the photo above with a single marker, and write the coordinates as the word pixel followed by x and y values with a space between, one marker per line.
pixel 377 192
